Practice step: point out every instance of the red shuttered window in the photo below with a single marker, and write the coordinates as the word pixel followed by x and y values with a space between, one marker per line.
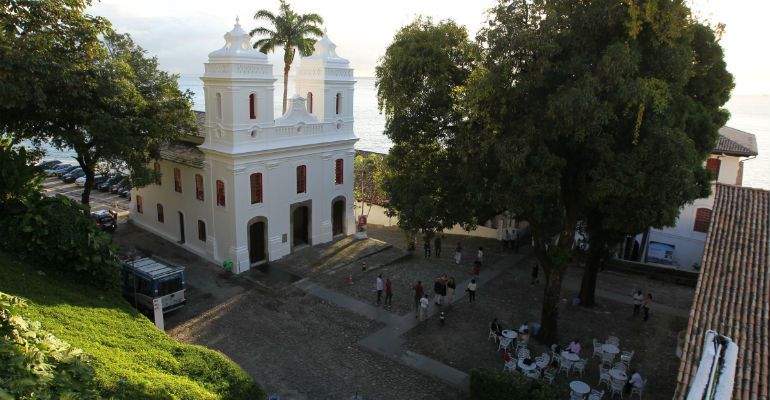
pixel 199 187
pixel 256 188
pixel 702 220
pixel 310 102
pixel 220 193
pixel 253 106
pixel 713 164
pixel 177 180
pixel 139 207
pixel 338 164
pixel 301 179
pixel 157 169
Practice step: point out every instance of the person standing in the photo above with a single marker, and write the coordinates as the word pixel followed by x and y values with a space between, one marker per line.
pixel 427 248
pixel 458 253
pixel 424 302
pixel 451 286
pixel 471 289
pixel 378 286
pixel 443 289
pixel 437 291
pixel 646 306
pixel 417 297
pixel 638 298
pixel 437 245
pixel 480 255
pixel 388 293
pixel 476 268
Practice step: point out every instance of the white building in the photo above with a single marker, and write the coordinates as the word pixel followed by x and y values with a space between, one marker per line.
pixel 682 245
pixel 250 188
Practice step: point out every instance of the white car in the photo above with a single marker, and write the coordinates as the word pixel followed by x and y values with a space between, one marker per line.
pixel 81 181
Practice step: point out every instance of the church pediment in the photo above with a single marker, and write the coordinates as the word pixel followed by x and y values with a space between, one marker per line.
pixel 296 113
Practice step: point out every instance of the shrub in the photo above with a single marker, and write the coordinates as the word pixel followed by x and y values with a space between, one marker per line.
pixel 59 233
pixel 34 364
pixel 491 385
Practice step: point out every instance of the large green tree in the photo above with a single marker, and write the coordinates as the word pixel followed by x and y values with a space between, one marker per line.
pixel 601 106
pixel 289 30
pixel 417 80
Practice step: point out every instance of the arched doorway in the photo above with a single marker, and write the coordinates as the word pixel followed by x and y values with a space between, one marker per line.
pixel 338 216
pixel 258 241
pixel 300 224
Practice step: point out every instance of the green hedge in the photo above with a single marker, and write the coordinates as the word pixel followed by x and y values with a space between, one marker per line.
pixel 492 385
pixel 131 359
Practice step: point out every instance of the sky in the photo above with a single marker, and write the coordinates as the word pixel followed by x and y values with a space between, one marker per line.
pixel 181 33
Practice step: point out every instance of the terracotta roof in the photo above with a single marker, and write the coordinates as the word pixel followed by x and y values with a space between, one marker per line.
pixel 733 292
pixel 183 153
pixel 200 120
pixel 736 143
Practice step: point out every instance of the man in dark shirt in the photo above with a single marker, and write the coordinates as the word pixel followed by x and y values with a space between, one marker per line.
pixel 417 296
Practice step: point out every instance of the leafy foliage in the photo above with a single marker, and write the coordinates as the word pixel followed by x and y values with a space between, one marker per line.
pixel 34 364
pixel 18 180
pixel 492 385
pixel 131 358
pixel 368 180
pixel 291 31
pixel 55 231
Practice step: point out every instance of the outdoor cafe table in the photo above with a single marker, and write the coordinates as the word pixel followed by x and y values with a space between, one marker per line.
pixel 509 334
pixel 580 387
pixel 570 356
pixel 618 374
pixel 526 367
pixel 610 348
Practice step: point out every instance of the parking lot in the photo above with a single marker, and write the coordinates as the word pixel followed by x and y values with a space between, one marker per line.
pixel 98 201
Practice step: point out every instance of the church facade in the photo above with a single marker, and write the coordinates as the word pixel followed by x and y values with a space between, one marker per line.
pixel 250 188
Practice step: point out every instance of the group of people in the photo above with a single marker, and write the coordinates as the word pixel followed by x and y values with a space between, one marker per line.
pixel 641 302
pixel 437 243
pixel 511 240
pixel 388 291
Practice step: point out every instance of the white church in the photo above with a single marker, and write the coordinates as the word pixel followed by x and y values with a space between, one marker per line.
pixel 249 187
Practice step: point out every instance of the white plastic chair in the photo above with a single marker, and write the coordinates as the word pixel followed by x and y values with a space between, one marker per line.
pixel 638 390
pixel 596 394
pixel 535 373
pixel 524 353
pixel 604 376
pixel 565 365
pixel 616 387
pixel 510 365
pixel 608 358
pixel 492 335
pixel 543 359
pixel 549 374
pixel 575 396
pixel 597 349
pixel 625 357
pixel 620 366
pixel 578 366
pixel 504 343
pixel 613 340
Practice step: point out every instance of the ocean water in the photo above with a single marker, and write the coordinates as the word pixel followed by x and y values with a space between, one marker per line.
pixel 750 113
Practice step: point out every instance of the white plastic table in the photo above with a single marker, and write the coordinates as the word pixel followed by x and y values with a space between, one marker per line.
pixel 618 374
pixel 580 387
pixel 610 348
pixel 526 367
pixel 510 334
pixel 570 356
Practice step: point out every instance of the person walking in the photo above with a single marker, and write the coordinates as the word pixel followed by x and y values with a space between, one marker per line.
pixel 480 255
pixel 378 286
pixel 437 290
pixel 388 293
pixel 417 297
pixel 471 289
pixel 437 246
pixel 458 253
pixel 443 289
pixel 424 302
pixel 427 248
pixel 646 306
pixel 476 268
pixel 451 286
pixel 638 298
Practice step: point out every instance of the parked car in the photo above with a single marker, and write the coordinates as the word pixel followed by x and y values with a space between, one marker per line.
pixel 125 190
pixel 99 179
pixel 144 279
pixel 123 182
pixel 105 186
pixel 56 168
pixel 48 164
pixel 66 170
pixel 82 180
pixel 74 175
pixel 106 220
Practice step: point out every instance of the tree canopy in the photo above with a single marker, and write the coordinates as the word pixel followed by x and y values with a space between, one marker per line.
pixel 575 111
pixel 291 31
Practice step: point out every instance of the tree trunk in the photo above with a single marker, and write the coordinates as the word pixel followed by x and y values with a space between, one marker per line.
pixel 88 168
pixel 551 297
pixel 286 68
pixel 588 285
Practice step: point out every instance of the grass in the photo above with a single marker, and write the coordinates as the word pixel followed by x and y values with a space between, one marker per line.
pixel 121 343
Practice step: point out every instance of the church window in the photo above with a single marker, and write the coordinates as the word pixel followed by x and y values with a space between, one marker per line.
pixel 253 106
pixel 713 164
pixel 201 231
pixel 310 102
pixel 177 180
pixel 301 179
pixel 160 213
pixel 199 187
pixel 256 188
pixel 219 106
pixel 220 193
pixel 157 170
pixel 702 220
pixel 139 207
pixel 339 104
pixel 338 171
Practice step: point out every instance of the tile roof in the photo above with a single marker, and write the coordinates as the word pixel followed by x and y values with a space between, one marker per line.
pixel 733 292
pixel 200 120
pixel 183 153
pixel 736 143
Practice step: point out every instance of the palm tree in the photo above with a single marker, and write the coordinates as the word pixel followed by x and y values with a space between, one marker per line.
pixel 290 31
